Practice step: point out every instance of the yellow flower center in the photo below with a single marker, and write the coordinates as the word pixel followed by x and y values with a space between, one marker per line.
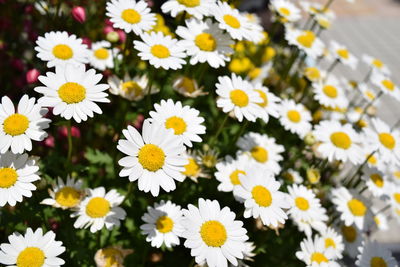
pixel 131 87
pixel 376 220
pixel 31 257
pixel 68 197
pixel 372 160
pixel 318 257
pixel 341 140
pixel 187 84
pixel 160 51
pixel 357 207
pixel 63 52
pixel 264 98
pixel 302 203
pixel 260 154
pixel 377 179
pixel 284 11
pixel 343 53
pixel 388 84
pixel 235 176
pixel 192 168
pixel 176 123
pixel 254 73
pixel 370 94
pixel 232 21
pixel 329 242
pixel 205 42
pixel 377 63
pixel 396 174
pixel 306 39
pixel 378 262
pixel 189 3
pixel 72 93
pixel 8 177
pixel 349 233
pixel 101 53
pixel 164 224
pixel 239 98
pixel 323 22
pixel 262 196
pixel 294 116
pixel 15 124
pixel 151 157
pixel 131 16
pixel 330 91
pixel 312 73
pixel 396 197
pixel 213 233
pixel 97 207
pixel 111 256
pixel 387 140
pixel 313 175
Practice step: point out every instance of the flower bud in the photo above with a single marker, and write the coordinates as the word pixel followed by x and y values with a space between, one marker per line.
pixel 32 76
pixel 112 37
pixel 79 14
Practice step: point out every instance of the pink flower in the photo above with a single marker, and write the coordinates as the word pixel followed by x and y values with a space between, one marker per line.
pixel 49 141
pixel 122 35
pixel 79 14
pixel 32 76
pixel 75 132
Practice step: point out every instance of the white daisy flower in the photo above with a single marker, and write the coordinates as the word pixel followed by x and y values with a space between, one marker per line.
pixel 373 160
pixel 306 41
pixel 131 16
pixel 334 241
pixel 205 42
pixel 72 92
pixel 307 226
pixel 130 88
pixel 286 10
pixel 314 253
pixel 367 92
pixel 213 234
pixel 295 117
pixel 18 127
pixel 162 224
pixel 394 194
pixel 395 212
pixel 32 249
pixel 17 174
pixel 258 74
pixel 183 120
pixel 376 64
pixel 66 195
pixel 262 198
pixel 262 149
pixel 338 142
pixel 99 209
pixel 314 74
pixel 102 56
pixel 161 51
pixel 330 93
pixel 256 31
pixel 353 238
pixel 57 48
pixel 237 96
pixel 229 170
pixel 353 208
pixel 341 53
pixel 394 173
pixel 270 103
pixel 373 254
pixel 376 181
pixel 196 8
pixel 380 220
pixel 386 85
pixel 292 176
pixel 154 158
pixel 188 87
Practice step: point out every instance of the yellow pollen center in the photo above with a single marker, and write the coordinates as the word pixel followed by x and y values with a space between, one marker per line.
pixel 111 256
pixel 164 224
pixel 72 93
pixel 31 257
pixel 68 197
pixel 377 179
pixel 356 207
pixel 63 52
pixel 131 87
pixel 8 177
pixel 376 220
pixel 318 257
pixel 97 207
pixel 15 124
pixel 262 196
pixel 396 197
pixel 263 97
pixel 370 94
pixel 151 157
pixel 101 53
pixel 213 233
pixel 312 73
pixel 254 73
pixel 189 3
pixel 329 242
pixel 378 262
pixel 177 124
pixel 239 98
pixel 260 154
pixel 160 51
pixel 294 116
pixel 192 168
pixel 131 16
pixel 188 84
pixel 302 203
pixel 387 140
pixel 205 42
pixel 330 91
pixel 349 233
pixel 306 39
pixel 343 53
pixel 232 21
pixel 284 11
pixel 341 140
pixel 388 84
pixel 235 176
pixel 372 160
pixel 377 63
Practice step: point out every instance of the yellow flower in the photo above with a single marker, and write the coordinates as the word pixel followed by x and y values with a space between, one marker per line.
pixel 240 65
pixel 313 175
pixel 268 54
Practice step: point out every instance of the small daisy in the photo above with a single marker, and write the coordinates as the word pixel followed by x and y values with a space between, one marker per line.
pixel 376 182
pixel 338 142
pixel 376 64
pixel 317 223
pixel 394 194
pixel 380 220
pixel 367 93
pixel 188 87
pixel 325 20
pixel 373 254
pixel 17 174
pixel 155 158
pixel 306 41
pixel 196 8
pixel 295 117
pixel 183 120
pixel 65 195
pixel 237 96
pixel 270 103
pixel 205 42
pixel 161 51
pixel 353 238
pixel 130 15
pixel 262 198
pixel 102 56
pixel 314 253
pixel 262 149
pixel 258 74
pixel 314 74
pixel 353 208
pixel 130 88
pixel 57 48
pixel 213 234
pixel 334 241
pixel 193 169
pixel 18 127
pixel 286 10
pixel 111 256
pixel 72 92
pixel 100 209
pixel 162 224
pixel 386 85
pixel 292 176
pixel 341 53
pixel 330 93
pixel 32 249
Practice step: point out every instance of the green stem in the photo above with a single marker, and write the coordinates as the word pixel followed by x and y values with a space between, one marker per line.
pixel 369 104
pixel 69 129
pixel 327 5
pixel 331 68
pixel 130 187
pixel 383 209
pixel 366 79
pixel 214 138
pixel 240 132
pixel 149 85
